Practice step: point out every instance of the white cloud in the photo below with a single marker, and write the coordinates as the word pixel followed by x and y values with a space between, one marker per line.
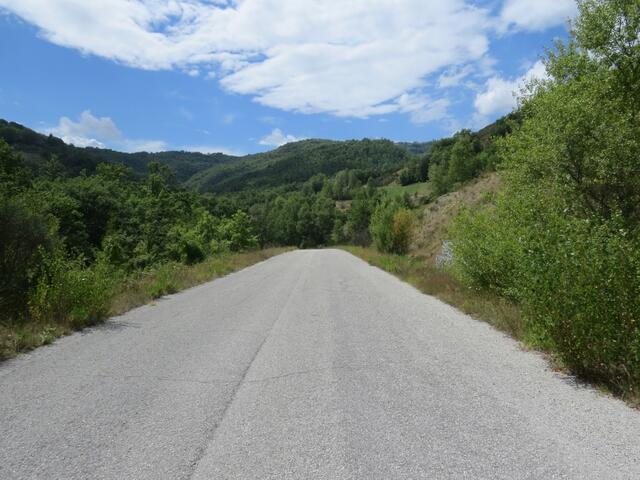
pixel 422 109
pixel 536 14
pixel 354 58
pixel 454 76
pixel 100 132
pixel 88 131
pixel 278 138
pixel 499 94
pixel 350 59
pixel 142 145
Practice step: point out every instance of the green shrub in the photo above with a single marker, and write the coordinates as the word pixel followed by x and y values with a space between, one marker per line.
pixel 22 234
pixel 164 280
pixel 68 293
pixel 392 228
pixel 564 238
pixel 237 233
pixel 186 246
pixel 487 255
pixel 586 297
pixel 402 231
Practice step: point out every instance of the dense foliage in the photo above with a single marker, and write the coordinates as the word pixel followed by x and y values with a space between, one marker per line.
pixel 65 241
pixel 450 162
pixel 80 223
pixel 295 163
pixel 563 239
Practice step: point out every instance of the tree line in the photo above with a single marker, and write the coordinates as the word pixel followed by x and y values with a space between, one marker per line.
pixel 67 240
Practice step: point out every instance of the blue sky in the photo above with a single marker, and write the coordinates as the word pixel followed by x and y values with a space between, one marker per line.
pixel 242 76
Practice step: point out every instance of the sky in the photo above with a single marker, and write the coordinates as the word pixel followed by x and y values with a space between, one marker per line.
pixel 244 76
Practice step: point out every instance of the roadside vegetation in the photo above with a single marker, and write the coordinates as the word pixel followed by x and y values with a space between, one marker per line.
pixel 119 295
pixel 562 239
pixel 548 249
pixel 77 248
pixel 540 212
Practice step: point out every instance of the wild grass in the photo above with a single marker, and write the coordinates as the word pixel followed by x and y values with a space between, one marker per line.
pixel 130 292
pixel 482 305
pixel 439 283
pixel 434 218
pixel 423 189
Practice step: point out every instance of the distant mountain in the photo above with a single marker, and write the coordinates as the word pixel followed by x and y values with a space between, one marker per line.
pixel 416 148
pixel 38 148
pixel 287 166
pixel 296 162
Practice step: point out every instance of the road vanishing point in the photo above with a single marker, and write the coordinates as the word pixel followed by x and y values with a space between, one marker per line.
pixel 310 365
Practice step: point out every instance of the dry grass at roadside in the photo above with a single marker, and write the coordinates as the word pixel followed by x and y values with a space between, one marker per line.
pixel 496 311
pixel 136 290
pixel 440 284
pixel 435 217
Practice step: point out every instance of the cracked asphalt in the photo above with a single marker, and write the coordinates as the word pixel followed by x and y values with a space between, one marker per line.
pixel 312 364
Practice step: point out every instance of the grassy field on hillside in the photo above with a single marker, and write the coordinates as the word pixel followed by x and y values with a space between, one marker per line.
pixel 421 189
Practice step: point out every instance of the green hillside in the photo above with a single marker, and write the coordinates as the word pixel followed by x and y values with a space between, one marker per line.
pixel 295 163
pixel 37 149
pixel 416 148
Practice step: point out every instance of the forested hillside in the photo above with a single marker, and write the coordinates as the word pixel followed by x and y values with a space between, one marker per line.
pixel 295 163
pixel 38 150
pixel 79 223
pixel 560 244
pixel 415 148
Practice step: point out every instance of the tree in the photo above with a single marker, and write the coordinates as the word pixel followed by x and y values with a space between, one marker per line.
pixel 402 231
pixel 14 176
pixel 462 165
pixel 238 232
pixel 423 168
pixel 359 215
pixel 23 234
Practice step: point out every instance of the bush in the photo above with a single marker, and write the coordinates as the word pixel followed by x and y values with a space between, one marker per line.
pixel 392 228
pixel 587 300
pixel 22 234
pixel 186 246
pixel 237 233
pixel 486 254
pixel 577 281
pixel 564 238
pixel 68 293
pixel 402 231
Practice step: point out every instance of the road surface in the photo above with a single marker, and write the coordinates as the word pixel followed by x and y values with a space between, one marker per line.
pixel 310 365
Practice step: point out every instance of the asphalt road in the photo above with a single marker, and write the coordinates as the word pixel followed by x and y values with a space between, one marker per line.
pixel 311 365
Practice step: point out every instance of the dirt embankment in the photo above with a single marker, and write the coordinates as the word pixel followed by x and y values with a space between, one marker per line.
pixel 434 218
